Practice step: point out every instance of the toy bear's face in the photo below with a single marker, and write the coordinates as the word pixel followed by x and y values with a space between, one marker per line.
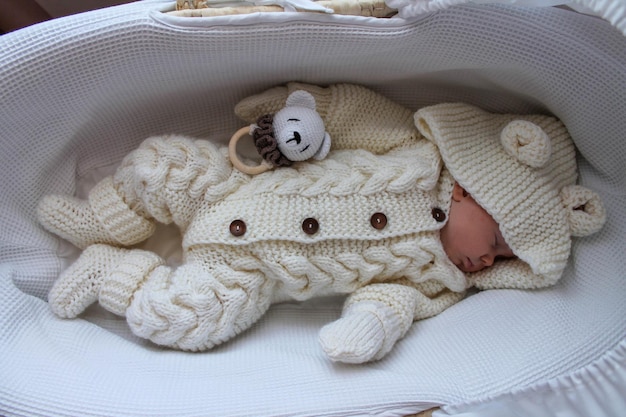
pixel 299 131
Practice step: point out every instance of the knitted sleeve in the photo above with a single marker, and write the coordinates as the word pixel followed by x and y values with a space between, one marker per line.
pixel 376 316
pixel 168 177
pixel 354 116
pixel 410 301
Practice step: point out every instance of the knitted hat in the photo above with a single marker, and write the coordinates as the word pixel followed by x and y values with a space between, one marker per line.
pixel 522 171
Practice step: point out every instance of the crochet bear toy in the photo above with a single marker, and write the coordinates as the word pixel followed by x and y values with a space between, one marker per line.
pixel 364 221
pixel 295 133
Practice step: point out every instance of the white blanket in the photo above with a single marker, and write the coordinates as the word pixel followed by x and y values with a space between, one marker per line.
pixel 79 93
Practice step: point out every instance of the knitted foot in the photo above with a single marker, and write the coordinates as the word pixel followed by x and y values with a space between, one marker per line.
pixel 105 273
pixel 367 331
pixel 78 286
pixel 72 219
pixel 103 218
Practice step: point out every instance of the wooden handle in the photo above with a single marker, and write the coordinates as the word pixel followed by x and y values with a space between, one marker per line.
pixel 234 157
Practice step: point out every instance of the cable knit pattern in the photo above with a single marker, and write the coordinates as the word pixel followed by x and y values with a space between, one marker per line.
pixel 168 177
pixel 215 295
pixel 361 171
pixel 358 222
pixel 228 281
pixel 220 291
pixel 342 192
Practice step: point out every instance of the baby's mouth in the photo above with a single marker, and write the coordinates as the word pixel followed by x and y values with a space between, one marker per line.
pixel 469 266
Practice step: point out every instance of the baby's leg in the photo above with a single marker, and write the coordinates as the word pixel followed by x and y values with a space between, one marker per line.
pixel 164 180
pixel 195 307
pixel 103 218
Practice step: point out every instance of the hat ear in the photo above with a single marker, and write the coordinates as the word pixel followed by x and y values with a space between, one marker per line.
pixel 301 98
pixel 526 142
pixel 586 214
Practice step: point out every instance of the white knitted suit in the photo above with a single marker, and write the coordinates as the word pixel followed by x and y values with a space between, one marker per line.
pixel 379 164
pixel 364 221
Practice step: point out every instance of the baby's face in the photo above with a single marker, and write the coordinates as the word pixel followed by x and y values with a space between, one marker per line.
pixel 472 238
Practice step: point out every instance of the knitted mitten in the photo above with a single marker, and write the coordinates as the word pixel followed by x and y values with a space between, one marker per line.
pixel 367 331
pixel 103 218
pixel 102 272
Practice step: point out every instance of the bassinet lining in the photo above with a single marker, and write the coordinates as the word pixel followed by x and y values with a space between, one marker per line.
pixel 81 92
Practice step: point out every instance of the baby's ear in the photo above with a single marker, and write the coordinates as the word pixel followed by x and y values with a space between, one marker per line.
pixel 586 214
pixel 301 98
pixel 458 192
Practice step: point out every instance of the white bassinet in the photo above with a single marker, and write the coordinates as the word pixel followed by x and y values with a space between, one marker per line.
pixel 78 93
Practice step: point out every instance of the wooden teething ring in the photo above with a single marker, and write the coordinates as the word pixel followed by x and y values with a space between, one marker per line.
pixel 234 157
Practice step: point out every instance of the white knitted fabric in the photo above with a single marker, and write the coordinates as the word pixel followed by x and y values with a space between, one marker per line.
pixel 103 218
pixel 228 280
pixel 122 275
pixel 74 295
pixel 167 178
pixel 350 127
pixel 368 331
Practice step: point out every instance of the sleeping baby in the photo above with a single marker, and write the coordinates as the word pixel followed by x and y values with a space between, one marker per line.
pixel 403 214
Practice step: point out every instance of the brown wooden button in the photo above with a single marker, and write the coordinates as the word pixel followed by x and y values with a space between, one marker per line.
pixel 310 226
pixel 438 214
pixel 238 228
pixel 378 221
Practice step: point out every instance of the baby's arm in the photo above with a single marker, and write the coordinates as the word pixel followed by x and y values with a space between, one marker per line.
pixel 354 116
pixel 168 177
pixel 376 316
pixel 165 180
